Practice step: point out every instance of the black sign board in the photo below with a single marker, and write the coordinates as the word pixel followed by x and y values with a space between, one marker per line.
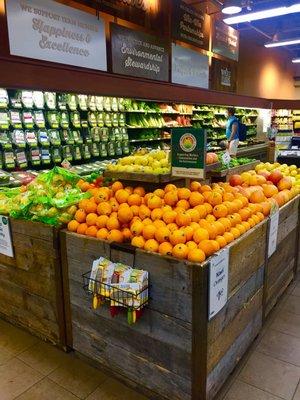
pixel 138 54
pixel 223 75
pixel 225 41
pixel 190 25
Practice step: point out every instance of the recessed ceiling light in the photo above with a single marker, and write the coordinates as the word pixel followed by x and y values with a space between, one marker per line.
pixel 231 7
pixel 287 42
pixel 254 16
pixel 296 60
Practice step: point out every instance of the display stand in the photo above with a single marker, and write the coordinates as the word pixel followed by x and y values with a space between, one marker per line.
pixel 227 173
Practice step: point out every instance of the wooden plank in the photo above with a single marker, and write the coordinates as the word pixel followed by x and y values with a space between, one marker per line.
pixel 224 368
pixel 33 229
pixel 288 209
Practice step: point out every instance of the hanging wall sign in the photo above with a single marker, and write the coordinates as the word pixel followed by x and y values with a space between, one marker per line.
pixel 188 153
pixel 139 54
pixel 225 40
pixel 47 30
pixel 223 75
pixel 190 25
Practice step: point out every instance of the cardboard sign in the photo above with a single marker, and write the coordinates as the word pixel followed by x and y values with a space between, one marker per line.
pixel 6 246
pixel 225 40
pixel 218 282
pixel 139 54
pixel 188 153
pixel 189 67
pixel 190 25
pixel 47 30
pixel 273 233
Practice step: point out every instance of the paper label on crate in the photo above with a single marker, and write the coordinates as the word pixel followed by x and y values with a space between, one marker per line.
pixel 226 158
pixel 218 282
pixel 273 232
pixel 6 246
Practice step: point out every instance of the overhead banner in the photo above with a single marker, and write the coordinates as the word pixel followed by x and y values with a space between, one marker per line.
pixel 223 75
pixel 190 25
pixel 225 40
pixel 47 30
pixel 189 67
pixel 139 54
pixel 188 153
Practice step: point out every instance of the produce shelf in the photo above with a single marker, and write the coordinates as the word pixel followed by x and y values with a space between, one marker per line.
pixel 236 170
pixel 148 140
pixel 136 176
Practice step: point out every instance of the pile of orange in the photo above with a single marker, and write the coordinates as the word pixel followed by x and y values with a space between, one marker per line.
pixel 187 223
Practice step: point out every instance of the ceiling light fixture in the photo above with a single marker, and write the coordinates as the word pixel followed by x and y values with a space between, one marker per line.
pixel 232 7
pixel 296 60
pixel 254 16
pixel 287 42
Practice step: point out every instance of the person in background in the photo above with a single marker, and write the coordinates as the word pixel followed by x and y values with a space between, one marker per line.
pixel 232 132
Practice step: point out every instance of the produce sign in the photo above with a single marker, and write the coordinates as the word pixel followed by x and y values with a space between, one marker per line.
pixel 189 67
pixel 190 25
pixel 223 75
pixel 138 54
pixel 225 41
pixel 6 246
pixel 188 152
pixel 53 32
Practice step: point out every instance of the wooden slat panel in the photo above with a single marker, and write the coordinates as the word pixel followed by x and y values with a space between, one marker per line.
pixel 287 225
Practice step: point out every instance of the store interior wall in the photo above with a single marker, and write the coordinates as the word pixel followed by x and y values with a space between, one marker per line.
pixel 267 73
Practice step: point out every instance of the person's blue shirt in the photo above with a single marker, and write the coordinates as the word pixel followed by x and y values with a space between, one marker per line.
pixel 230 122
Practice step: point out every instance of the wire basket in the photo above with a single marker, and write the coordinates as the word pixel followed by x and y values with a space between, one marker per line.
pixel 131 299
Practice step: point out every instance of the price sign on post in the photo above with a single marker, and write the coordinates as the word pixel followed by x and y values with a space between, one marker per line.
pixel 218 282
pixel 6 247
pixel 273 232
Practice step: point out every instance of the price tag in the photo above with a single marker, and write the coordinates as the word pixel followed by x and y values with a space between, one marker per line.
pixel 226 158
pixel 272 245
pixel 218 282
pixel 6 247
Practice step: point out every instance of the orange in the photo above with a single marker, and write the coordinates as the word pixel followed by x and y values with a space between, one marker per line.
pixel 137 228
pixel 149 232
pixel 215 244
pixel 215 198
pixel 228 237
pixel 91 219
pixel 183 219
pixel 104 208
pixel 115 236
pixel 147 221
pixel 238 218
pixel 207 247
pixel 160 193
pixel 183 193
pixel 212 231
pixel 102 221
pixel 121 196
pixel 144 212
pixel 91 231
pixel 125 215
pixel 195 225
pixel 202 210
pixel 256 219
pixel 196 255
pixel 127 235
pixel 205 188
pixel 200 234
pixel 177 236
pixel 228 196
pixel 231 207
pixel 82 204
pixel 116 186
pixel 241 228
pixel 238 204
pixel 252 208
pixel 243 199
pixel 165 249
pixel 112 223
pixel 129 189
pixel 85 186
pixel 206 195
pixel 189 232
pixel 103 194
pixel 147 197
pixel 166 208
pixel 179 210
pixel 208 207
pixel 221 240
pixel 171 198
pixel 232 220
pixel 154 202
pixel 158 223
pixel 195 186
pixel 134 200
pixel 180 251
pixel 220 211
pixel 140 191
pixel 194 214
pixel 210 218
pixel 183 204
pixel 191 245
pixel 245 213
pixel 102 233
pixel 172 227
pixel 82 228
pixel 257 196
pixel 170 187
pixel 114 204
pixel 246 225
pixel 236 233
pixel 196 199
pixel 251 222
pixel 90 207
pixel 135 210
pixel 260 216
pixel 80 215
pixel 73 225
pixel 162 235
pixel 157 213
pixel 169 216
pixel 138 241
pixel 219 227
pixel 151 245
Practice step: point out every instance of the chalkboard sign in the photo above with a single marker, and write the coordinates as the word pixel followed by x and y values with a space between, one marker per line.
pixel 139 54
pixel 189 67
pixel 190 25
pixel 225 41
pixel 223 75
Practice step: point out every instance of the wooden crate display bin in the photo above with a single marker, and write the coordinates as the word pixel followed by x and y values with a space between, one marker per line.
pixel 282 265
pixel 172 352
pixel 31 282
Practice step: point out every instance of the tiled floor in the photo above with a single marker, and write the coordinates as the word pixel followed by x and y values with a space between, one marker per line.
pixel 33 370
